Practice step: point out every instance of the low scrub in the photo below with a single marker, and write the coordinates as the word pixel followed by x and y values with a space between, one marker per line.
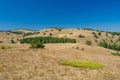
pixel 116 53
pixel 2 47
pixel 95 35
pixel 81 36
pixel 37 45
pixel 88 42
pixel 91 65
pixel 12 41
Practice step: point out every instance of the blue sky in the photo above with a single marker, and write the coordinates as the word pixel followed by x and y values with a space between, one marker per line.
pixel 39 14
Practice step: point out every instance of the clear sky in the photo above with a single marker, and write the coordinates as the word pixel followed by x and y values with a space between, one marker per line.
pixel 38 14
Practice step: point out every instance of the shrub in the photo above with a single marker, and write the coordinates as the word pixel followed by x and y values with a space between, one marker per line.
pixel 96 40
pixel 83 49
pixel 37 45
pixel 2 47
pixel 12 41
pixel 111 41
pixel 52 30
pixel 88 42
pixel 116 53
pixel 99 33
pixel 44 33
pixel 59 29
pixel 103 44
pixel 81 36
pixel 95 35
pixel 77 47
pixel 70 33
pixel 106 34
pixel 91 65
pixel 1 41
pixel 50 34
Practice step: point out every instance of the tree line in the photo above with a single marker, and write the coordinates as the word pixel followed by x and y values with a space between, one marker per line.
pixel 45 40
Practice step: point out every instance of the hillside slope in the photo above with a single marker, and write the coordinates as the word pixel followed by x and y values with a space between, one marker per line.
pixel 19 62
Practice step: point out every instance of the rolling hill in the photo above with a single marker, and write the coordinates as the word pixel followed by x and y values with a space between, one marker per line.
pixel 19 62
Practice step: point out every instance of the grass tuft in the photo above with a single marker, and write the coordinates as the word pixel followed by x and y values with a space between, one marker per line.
pixel 91 65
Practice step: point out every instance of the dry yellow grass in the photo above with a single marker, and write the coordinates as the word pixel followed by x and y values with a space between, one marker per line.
pixel 43 64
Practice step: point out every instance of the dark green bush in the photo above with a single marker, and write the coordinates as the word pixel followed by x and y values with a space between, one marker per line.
pixel 88 42
pixel 99 33
pixel 96 40
pixel 12 41
pixel 1 41
pixel 81 36
pixel 37 45
pixel 83 49
pixel 50 34
pixel 95 35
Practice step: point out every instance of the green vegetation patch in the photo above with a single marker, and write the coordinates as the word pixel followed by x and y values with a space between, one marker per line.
pixel 113 46
pixel 45 40
pixel 116 53
pixel 37 45
pixel 91 65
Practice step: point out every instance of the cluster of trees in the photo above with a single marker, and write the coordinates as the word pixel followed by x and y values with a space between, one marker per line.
pixel 88 29
pixel 30 33
pixel 24 34
pixel 115 33
pixel 44 40
pixel 109 46
pixel 18 33
pixel 37 42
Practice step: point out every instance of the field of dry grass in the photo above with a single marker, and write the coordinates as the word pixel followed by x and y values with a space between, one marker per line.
pixel 21 63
